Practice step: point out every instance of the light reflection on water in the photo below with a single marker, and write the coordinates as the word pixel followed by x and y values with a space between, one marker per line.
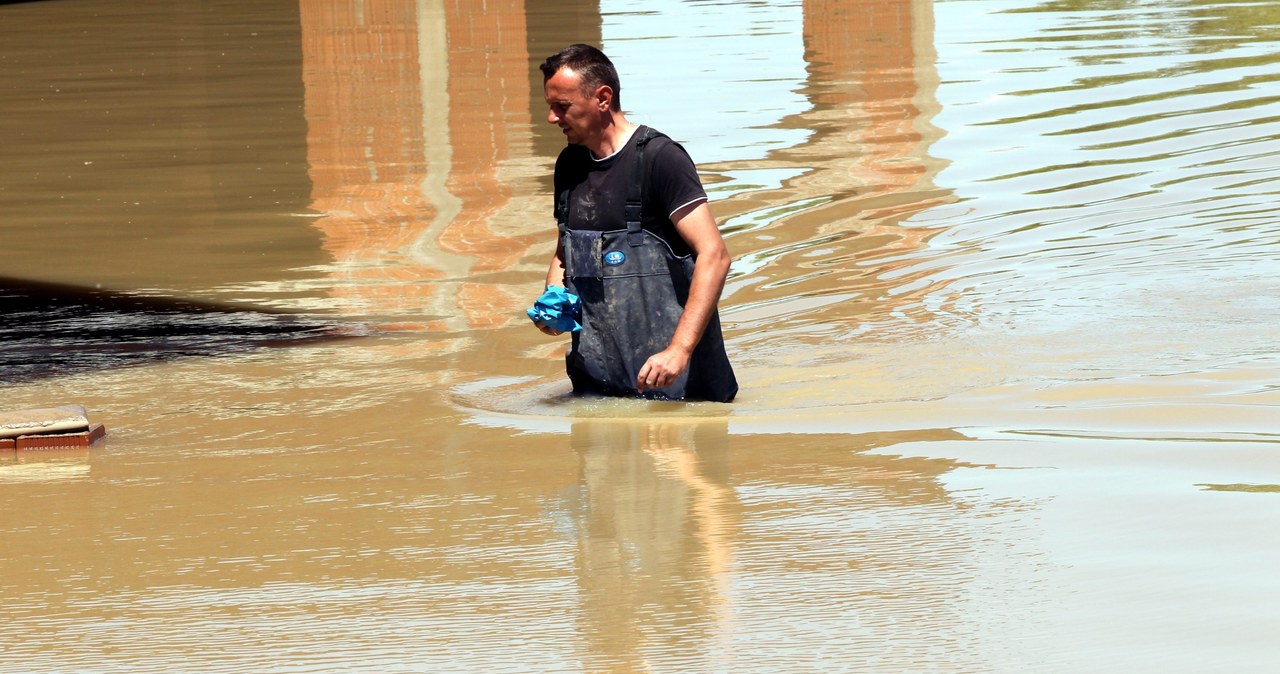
pixel 996 304
pixel 1130 151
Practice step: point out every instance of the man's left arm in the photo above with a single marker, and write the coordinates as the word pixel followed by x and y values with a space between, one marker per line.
pixel 696 225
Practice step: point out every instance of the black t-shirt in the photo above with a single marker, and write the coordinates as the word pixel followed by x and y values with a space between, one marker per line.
pixel 598 187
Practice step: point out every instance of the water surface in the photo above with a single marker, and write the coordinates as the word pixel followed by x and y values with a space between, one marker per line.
pixel 1004 274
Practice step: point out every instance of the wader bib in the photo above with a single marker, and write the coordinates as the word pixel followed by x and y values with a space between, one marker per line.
pixel 633 290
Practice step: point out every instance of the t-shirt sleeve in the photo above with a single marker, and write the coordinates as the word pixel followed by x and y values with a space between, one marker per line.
pixel 674 179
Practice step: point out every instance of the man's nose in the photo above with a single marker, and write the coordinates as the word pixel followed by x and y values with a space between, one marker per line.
pixel 552 117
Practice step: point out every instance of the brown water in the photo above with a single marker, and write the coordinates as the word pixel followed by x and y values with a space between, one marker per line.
pixel 1002 301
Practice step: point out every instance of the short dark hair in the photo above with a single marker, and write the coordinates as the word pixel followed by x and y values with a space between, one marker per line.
pixel 591 64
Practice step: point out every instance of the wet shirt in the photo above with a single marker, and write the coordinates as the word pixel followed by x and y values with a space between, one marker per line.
pixel 598 187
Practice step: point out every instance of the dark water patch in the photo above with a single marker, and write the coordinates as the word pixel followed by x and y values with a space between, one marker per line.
pixel 49 329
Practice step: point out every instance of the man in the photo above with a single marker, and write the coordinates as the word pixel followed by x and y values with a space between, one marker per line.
pixel 637 244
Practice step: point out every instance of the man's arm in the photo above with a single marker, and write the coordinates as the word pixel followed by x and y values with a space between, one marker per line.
pixel 698 228
pixel 555 277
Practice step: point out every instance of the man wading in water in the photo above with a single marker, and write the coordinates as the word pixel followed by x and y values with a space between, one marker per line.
pixel 637 244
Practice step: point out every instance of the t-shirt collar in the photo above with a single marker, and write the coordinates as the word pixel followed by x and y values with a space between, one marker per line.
pixel 615 153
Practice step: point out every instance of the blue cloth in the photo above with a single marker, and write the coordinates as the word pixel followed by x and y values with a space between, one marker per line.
pixel 557 309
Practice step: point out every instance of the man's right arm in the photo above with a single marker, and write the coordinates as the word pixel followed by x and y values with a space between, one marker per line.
pixel 555 273
pixel 555 277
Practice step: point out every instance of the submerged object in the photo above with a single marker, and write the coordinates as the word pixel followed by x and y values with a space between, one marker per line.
pixel 58 427
pixel 558 309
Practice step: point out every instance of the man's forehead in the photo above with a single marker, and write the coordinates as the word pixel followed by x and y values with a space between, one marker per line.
pixel 568 73
pixel 565 81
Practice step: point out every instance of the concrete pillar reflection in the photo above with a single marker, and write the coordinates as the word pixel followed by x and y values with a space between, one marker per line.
pixel 875 61
pixel 365 147
pixel 871 61
pixel 414 109
pixel 488 99
pixel 871 85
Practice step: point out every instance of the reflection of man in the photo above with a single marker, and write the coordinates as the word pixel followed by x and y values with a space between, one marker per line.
pixel 655 521
pixel 637 244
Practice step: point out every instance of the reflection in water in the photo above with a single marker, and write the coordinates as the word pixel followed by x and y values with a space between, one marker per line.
pixel 813 221
pixel 668 546
pixel 1135 148
pixel 52 330
pixel 655 522
pixel 405 152
pixel 698 550
pixel 365 149
pixel 44 466
pixel 155 147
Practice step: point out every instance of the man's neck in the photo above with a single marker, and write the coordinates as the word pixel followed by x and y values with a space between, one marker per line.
pixel 613 136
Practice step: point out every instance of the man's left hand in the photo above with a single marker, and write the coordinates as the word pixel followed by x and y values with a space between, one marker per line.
pixel 662 369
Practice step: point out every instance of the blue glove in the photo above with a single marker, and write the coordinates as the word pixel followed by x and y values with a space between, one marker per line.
pixel 557 309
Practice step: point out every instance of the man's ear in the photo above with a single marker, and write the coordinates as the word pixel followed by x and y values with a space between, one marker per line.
pixel 604 96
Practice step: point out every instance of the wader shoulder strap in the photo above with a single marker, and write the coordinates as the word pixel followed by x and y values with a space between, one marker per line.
pixel 562 210
pixel 635 191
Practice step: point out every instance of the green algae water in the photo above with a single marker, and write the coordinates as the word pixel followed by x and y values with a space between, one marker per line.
pixel 1003 280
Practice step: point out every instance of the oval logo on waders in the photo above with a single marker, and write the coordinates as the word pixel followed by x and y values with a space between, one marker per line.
pixel 614 258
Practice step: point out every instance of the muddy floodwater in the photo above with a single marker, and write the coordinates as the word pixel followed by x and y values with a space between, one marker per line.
pixel 1003 308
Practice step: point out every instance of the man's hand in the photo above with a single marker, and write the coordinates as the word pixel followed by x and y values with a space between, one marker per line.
pixel 548 330
pixel 662 369
pixel 698 229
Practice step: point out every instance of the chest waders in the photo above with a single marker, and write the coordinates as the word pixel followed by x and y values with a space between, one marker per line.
pixel 633 290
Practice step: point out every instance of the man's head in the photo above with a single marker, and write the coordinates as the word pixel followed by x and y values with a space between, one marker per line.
pixel 592 66
pixel 581 87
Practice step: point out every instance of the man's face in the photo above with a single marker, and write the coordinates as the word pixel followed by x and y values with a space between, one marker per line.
pixel 577 114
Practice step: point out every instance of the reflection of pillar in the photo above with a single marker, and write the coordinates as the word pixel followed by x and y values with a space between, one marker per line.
pixel 865 53
pixel 871 85
pixel 877 62
pixel 415 107
pixel 488 100
pixel 365 145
